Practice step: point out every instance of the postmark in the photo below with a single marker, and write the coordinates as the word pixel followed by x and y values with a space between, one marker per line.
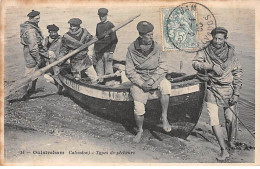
pixel 187 27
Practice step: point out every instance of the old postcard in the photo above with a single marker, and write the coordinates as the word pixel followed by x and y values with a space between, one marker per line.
pixel 129 82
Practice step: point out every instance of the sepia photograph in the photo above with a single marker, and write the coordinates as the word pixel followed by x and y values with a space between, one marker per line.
pixel 128 82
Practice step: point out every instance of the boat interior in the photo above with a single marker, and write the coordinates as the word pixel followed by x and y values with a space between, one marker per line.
pixel 121 81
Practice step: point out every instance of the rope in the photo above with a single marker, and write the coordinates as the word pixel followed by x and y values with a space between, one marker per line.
pixel 236 123
pixel 230 108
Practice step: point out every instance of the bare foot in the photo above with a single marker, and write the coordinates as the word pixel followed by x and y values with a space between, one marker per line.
pixel 138 136
pixel 166 126
pixel 223 155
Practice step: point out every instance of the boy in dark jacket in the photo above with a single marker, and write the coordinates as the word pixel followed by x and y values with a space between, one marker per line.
pixel 105 47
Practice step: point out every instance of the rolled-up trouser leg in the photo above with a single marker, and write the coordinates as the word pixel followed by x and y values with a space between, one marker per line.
pixel 108 64
pixel 100 67
pixel 91 73
pixel 165 87
pixel 139 108
pixel 108 68
pixel 213 113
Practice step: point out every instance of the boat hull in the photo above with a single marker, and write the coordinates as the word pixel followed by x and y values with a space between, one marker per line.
pixel 185 105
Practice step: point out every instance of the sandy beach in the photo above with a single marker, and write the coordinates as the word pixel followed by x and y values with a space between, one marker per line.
pixel 73 135
pixel 45 123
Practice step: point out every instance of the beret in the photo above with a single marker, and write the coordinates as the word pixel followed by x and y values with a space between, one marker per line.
pixel 33 13
pixel 75 21
pixel 219 30
pixel 102 11
pixel 52 27
pixel 144 27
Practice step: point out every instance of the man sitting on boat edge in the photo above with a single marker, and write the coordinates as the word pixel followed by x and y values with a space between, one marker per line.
pixel 146 68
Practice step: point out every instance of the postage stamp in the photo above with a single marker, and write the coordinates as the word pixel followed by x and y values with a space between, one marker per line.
pixel 66 118
pixel 187 27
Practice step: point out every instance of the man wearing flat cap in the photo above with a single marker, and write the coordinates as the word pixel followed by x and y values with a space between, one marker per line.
pixel 52 45
pixel 219 61
pixel 31 39
pixel 105 47
pixel 73 39
pixel 146 68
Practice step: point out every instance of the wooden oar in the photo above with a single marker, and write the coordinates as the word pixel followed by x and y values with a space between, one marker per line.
pixel 26 80
pixel 236 121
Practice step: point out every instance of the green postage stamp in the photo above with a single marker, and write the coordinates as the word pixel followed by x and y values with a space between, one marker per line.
pixel 186 27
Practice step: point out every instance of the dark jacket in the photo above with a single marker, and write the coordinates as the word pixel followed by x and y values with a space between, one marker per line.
pixel 107 44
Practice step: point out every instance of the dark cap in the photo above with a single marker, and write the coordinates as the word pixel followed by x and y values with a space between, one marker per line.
pixel 75 21
pixel 144 27
pixel 33 13
pixel 102 11
pixel 52 27
pixel 219 30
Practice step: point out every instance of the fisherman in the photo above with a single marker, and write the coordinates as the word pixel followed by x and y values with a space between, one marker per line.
pixel 52 45
pixel 105 47
pixel 31 39
pixel 73 39
pixel 146 68
pixel 219 60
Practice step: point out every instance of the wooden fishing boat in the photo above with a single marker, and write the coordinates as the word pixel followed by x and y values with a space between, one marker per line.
pixel 115 102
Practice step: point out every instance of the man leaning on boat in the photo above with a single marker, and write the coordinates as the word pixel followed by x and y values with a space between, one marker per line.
pixel 219 61
pixel 146 68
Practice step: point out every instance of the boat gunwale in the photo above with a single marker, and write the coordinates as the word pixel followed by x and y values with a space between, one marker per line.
pixel 174 85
